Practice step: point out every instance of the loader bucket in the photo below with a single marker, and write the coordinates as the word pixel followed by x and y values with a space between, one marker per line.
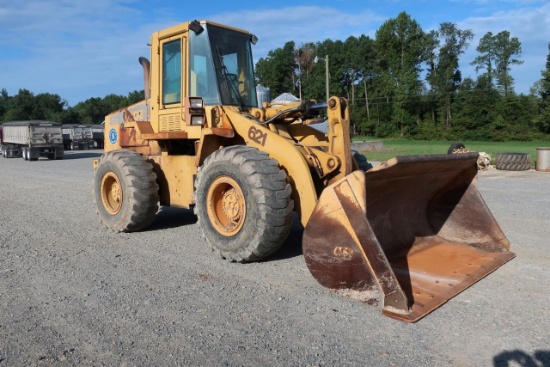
pixel 407 235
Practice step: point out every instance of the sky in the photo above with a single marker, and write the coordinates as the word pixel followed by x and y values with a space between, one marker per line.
pixel 81 49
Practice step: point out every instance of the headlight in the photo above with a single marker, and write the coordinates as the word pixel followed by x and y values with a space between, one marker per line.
pixel 194 111
pixel 195 102
pixel 197 120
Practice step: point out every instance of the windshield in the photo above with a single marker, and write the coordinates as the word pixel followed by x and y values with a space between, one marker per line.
pixel 221 70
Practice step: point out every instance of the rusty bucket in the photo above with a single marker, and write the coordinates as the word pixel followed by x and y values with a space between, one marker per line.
pixel 407 235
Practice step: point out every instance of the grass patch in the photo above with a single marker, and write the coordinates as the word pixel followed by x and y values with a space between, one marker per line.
pixel 395 147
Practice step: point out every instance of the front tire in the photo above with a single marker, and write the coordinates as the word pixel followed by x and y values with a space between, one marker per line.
pixel 125 191
pixel 243 203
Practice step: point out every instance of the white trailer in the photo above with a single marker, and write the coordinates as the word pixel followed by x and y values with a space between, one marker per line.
pixel 32 139
pixel 77 137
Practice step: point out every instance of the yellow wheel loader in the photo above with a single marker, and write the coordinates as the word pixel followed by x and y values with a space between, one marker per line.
pixel 406 235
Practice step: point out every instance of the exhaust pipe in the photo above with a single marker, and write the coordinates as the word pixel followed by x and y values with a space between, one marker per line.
pixel 146 73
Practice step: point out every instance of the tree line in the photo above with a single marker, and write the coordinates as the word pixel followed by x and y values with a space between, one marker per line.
pixel 405 82
pixel 25 105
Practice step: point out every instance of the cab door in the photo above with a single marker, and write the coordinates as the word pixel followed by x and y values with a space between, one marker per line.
pixel 172 83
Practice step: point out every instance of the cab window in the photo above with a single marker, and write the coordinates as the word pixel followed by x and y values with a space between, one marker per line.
pixel 171 72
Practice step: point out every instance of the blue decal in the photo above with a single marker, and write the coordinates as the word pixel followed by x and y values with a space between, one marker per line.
pixel 112 136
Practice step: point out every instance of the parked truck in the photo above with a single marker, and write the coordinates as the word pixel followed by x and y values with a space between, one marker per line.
pixel 32 140
pixel 78 137
pixel 98 132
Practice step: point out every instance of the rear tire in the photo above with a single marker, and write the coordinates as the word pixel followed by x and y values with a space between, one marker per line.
pixel 125 191
pixel 513 161
pixel 243 203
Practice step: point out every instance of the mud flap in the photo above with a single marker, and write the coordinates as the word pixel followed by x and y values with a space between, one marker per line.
pixel 407 235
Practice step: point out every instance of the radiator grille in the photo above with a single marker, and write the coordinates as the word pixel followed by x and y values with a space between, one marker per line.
pixel 170 123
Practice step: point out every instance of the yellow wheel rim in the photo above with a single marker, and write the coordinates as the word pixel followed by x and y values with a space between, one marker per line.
pixel 111 193
pixel 226 206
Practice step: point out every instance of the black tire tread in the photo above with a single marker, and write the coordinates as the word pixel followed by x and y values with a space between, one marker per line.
pixel 140 200
pixel 269 189
pixel 513 161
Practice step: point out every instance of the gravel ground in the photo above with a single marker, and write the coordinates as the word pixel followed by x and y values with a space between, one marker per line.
pixel 74 294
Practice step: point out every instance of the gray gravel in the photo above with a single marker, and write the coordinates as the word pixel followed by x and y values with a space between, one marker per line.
pixel 74 294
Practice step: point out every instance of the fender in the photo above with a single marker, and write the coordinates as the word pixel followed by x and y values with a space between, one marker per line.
pixel 285 153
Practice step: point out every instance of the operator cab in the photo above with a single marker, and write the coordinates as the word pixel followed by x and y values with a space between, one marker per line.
pixel 221 68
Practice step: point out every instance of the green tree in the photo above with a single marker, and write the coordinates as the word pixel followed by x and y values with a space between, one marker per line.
pixel 444 74
pixel 277 70
pixel 400 50
pixel 543 119
pixel 516 114
pixel 336 59
pixel 69 116
pixel 26 106
pixel 49 106
pixel 113 102
pixel 303 58
pixel 312 80
pixel 135 96
pixel 22 107
pixel 92 111
pixel 507 49
pixel 487 58
pixel 4 100
pixel 475 109
pixel 497 57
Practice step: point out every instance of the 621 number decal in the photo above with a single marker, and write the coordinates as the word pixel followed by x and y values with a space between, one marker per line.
pixel 257 135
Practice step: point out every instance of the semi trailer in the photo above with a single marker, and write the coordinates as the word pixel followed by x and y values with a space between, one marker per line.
pixel 77 137
pixel 32 139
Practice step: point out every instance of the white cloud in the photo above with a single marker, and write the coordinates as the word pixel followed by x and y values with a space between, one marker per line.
pixel 301 24
pixel 81 49
pixel 77 49
pixel 530 25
